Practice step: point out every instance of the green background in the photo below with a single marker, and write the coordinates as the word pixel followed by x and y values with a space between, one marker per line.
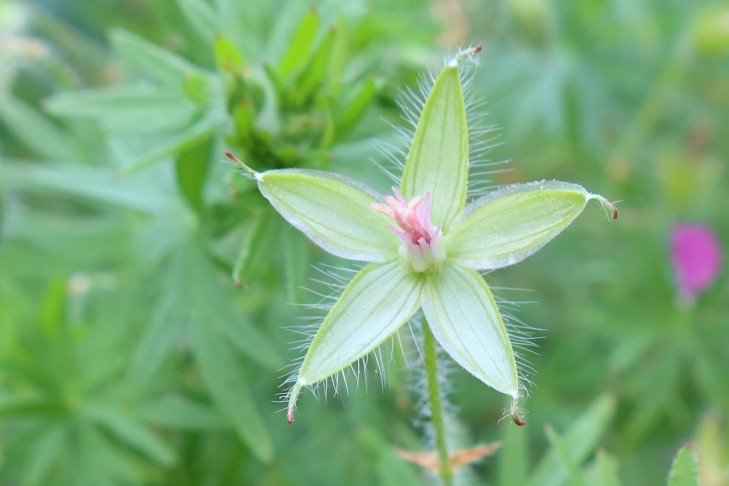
pixel 129 356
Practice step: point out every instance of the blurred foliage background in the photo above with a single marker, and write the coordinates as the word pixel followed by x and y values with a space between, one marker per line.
pixel 145 287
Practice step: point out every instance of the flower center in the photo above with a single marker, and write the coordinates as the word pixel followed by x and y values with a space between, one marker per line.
pixel 420 242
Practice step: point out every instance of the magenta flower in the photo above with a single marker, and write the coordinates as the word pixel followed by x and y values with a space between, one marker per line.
pixel 697 257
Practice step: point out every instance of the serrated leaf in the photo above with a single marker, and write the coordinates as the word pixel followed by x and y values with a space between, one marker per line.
pixel 438 159
pixel 466 322
pixel 380 299
pixel 684 470
pixel 225 379
pixel 151 60
pixel 580 439
pixel 300 48
pixel 332 212
pixel 512 223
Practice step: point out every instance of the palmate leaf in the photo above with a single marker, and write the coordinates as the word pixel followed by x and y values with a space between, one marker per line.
pixel 192 302
pixel 225 379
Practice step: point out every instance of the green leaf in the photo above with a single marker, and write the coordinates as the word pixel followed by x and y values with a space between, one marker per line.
pixel 52 439
pixel 296 262
pixel 604 471
pixel 684 470
pixel 315 73
pixel 244 123
pixel 151 60
pixel 35 130
pixel 512 223
pixel 513 455
pixel 95 184
pixel 562 453
pixel 126 109
pixel 173 145
pixel 438 159
pixel 261 234
pixel 246 338
pixel 201 17
pixel 225 379
pixel 130 431
pixel 465 321
pixel 352 112
pixel 191 168
pixel 300 49
pixel 227 55
pixel 375 304
pixel 333 212
pixel 179 413
pixel 580 439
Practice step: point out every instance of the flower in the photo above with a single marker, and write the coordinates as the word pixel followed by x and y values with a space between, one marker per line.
pixel 424 247
pixel 697 258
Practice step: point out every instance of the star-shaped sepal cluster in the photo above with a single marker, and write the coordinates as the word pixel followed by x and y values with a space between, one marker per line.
pixel 424 247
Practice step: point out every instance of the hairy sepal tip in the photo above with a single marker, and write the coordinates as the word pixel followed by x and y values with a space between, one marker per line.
pixel 242 165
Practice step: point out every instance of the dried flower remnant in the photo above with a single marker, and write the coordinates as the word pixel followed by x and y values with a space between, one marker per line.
pixel 424 247
pixel 697 257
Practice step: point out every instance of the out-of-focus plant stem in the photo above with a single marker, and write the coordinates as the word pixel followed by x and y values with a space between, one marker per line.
pixel 436 405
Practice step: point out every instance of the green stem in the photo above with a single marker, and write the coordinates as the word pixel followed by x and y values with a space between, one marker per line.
pixel 436 405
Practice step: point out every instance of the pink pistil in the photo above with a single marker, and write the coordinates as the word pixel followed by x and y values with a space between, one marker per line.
pixel 414 227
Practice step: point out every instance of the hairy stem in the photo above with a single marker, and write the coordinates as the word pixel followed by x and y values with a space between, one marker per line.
pixel 436 405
